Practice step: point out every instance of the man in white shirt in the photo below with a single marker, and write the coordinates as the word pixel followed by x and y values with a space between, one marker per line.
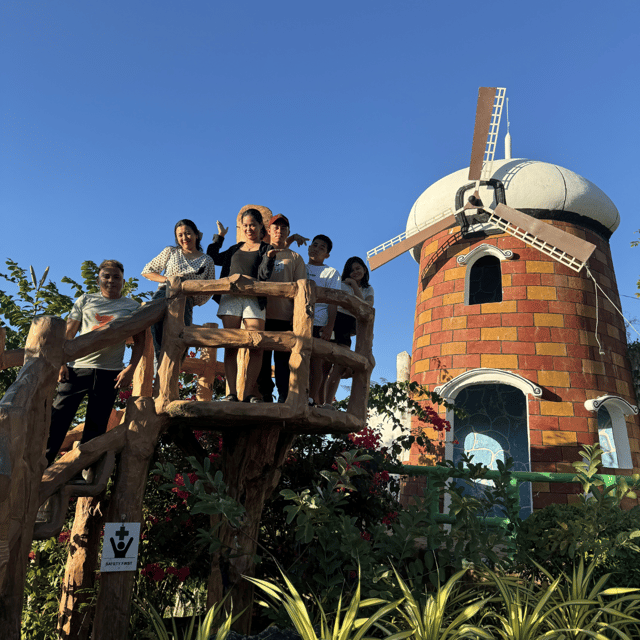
pixel 98 375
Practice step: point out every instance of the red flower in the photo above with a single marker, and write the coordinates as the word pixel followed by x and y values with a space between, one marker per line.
pixel 365 439
pixel 64 537
pixel 124 394
pixel 390 517
pixel 154 571
pixel 32 555
pixel 365 535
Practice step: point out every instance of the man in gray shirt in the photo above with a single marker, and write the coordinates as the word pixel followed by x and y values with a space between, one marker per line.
pixel 98 375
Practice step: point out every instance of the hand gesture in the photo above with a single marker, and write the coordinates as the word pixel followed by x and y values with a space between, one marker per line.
pixel 271 253
pixel 63 374
pixel 222 230
pixel 124 378
pixel 296 237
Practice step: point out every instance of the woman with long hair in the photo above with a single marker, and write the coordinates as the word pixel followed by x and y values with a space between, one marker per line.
pixel 254 259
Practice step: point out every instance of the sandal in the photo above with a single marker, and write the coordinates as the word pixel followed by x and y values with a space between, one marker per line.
pixel 232 397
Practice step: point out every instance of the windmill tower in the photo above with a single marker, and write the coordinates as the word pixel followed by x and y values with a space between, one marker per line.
pixel 516 317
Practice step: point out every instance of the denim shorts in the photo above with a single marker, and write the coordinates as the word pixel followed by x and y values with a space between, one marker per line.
pixel 240 307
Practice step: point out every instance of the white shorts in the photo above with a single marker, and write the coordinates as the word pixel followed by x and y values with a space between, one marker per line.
pixel 240 307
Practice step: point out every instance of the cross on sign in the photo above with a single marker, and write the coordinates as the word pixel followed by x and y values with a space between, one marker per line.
pixel 122 533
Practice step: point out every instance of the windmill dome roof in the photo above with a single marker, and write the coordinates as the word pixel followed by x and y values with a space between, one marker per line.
pixel 529 185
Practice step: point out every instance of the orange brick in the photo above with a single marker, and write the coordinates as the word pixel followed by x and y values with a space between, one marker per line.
pixel 551 349
pixel 591 366
pixel 622 388
pixel 585 311
pixel 459 322
pixel 430 248
pixel 421 366
pixel 509 306
pixel 559 437
pixel 541 293
pixel 491 361
pixel 554 379
pixel 540 487
pixel 453 298
pixel 555 408
pixel 454 348
pixel 548 320
pixel 499 333
pixel 424 317
pixel 506 279
pixel 454 274
pixel 423 341
pixel 427 293
pixel 536 266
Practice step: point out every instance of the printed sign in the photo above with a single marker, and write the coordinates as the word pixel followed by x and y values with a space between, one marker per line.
pixel 120 546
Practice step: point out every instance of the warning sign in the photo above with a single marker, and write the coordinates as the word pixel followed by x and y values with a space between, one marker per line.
pixel 120 546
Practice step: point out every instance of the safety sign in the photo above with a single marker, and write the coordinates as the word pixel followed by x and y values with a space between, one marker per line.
pixel 120 546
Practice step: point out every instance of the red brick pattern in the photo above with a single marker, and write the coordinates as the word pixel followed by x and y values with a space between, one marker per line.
pixel 543 330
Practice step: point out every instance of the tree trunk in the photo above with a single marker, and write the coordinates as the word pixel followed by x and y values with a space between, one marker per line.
pixel 74 624
pixel 251 469
pixel 114 599
pixel 25 415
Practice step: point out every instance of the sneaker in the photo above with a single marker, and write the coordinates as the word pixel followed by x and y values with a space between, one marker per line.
pixel 253 400
pixel 312 402
pixel 232 397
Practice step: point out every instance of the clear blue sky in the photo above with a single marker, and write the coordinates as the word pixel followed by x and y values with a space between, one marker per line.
pixel 119 118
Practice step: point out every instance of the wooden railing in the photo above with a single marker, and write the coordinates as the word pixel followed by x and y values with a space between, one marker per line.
pixel 263 441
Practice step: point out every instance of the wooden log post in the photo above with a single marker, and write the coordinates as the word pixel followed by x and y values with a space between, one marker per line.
pixel 206 378
pixel 84 541
pixel 299 361
pixel 362 379
pixel 25 416
pixel 79 575
pixel 172 347
pixel 113 607
pixel 251 463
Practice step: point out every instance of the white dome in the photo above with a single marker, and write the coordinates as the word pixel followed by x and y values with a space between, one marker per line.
pixel 528 184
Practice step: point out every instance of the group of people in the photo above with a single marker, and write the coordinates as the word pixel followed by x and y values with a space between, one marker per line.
pixel 101 374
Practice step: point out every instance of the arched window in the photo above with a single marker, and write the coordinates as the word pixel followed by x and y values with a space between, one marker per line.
pixel 612 430
pixel 496 425
pixel 483 280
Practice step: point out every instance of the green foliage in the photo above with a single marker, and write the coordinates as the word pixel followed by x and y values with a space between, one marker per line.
pixel 33 297
pixel 205 628
pixel 443 614
pixel 341 624
pixel 559 535
pixel 43 582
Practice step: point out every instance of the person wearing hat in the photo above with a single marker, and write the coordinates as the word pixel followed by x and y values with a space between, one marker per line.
pixel 289 267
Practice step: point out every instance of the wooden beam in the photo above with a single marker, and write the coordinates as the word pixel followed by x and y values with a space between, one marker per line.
pixel 484 109
pixel 412 241
pixel 567 242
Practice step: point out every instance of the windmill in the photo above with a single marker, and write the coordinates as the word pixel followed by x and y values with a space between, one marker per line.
pixel 539 353
pixel 560 245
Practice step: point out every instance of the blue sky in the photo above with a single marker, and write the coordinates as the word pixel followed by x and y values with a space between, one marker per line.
pixel 119 118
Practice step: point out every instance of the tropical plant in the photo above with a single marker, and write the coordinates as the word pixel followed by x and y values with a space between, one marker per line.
pixel 204 631
pixel 444 613
pixel 342 624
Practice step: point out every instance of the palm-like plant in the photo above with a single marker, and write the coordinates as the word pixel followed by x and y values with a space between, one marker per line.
pixel 204 630
pixel 444 614
pixel 346 623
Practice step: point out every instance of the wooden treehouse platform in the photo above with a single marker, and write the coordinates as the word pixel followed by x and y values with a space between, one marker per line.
pixel 256 437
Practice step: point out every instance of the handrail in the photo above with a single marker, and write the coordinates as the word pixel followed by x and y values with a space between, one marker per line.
pixel 515 480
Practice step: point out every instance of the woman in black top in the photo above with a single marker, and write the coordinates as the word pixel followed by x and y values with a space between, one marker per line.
pixel 254 259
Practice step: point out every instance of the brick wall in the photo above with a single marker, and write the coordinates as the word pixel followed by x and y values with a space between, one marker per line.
pixel 543 330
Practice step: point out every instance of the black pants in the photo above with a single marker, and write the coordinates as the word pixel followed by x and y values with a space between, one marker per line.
pixel 99 384
pixel 280 362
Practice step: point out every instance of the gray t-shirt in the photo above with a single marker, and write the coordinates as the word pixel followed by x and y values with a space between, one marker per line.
pixel 93 311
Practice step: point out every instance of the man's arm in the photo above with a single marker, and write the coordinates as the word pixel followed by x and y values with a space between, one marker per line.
pixel 73 326
pixel 327 330
pixel 124 378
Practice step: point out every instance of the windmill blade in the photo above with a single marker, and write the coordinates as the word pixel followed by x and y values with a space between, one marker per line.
pixel 408 240
pixel 564 247
pixel 485 133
